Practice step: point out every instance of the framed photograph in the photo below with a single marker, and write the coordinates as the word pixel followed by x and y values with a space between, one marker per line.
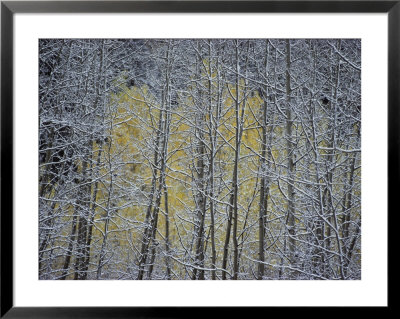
pixel 160 155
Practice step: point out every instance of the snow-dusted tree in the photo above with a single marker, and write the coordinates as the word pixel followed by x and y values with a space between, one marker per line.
pixel 199 159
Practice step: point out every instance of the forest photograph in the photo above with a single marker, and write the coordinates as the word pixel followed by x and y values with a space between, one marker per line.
pixel 199 159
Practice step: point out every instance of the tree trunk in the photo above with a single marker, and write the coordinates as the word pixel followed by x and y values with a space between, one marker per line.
pixel 290 223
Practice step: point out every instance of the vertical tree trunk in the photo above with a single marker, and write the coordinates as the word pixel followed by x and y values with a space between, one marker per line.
pixel 167 239
pixel 67 261
pixel 146 233
pixel 109 208
pixel 290 162
pixel 86 189
pixel 91 217
pixel 201 184
pixel 264 180
pixel 82 212
pixel 213 141
pixel 149 244
pixel 332 224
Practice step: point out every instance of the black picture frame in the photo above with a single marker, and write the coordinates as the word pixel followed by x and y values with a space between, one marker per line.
pixel 9 8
